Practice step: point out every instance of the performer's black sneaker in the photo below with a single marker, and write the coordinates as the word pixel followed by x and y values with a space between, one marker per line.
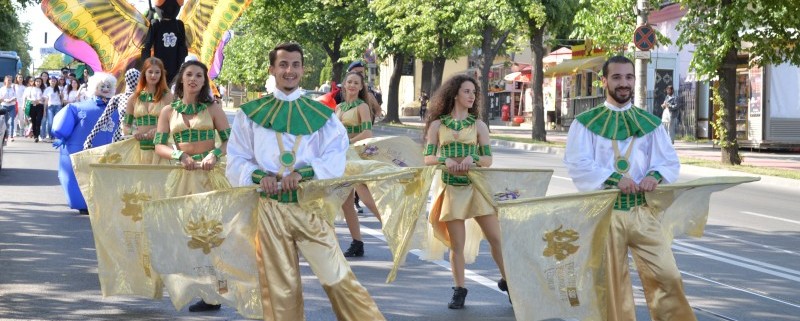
pixel 356 249
pixel 459 296
pixel 202 306
pixel 503 286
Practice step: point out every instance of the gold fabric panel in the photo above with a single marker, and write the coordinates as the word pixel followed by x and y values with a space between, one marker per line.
pixel 201 121
pixel 397 150
pixel 210 252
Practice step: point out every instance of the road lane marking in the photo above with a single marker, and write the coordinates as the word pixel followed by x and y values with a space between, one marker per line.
pixel 753 267
pixel 772 217
pixel 739 258
pixel 741 289
pixel 777 249
pixel 468 274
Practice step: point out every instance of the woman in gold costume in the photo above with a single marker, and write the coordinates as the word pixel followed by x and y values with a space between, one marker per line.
pixel 144 106
pixel 356 117
pixel 192 121
pixel 459 140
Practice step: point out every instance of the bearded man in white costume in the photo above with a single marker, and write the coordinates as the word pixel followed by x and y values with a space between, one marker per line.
pixel 276 142
pixel 618 145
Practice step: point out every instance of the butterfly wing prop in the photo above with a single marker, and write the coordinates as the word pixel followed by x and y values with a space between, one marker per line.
pixel 79 50
pixel 113 28
pixel 206 22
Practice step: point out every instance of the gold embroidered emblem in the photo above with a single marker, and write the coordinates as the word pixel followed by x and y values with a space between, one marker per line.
pixel 110 158
pixel 205 234
pixel 133 205
pixel 559 243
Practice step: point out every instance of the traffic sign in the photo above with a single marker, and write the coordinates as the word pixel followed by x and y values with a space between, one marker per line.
pixel 644 38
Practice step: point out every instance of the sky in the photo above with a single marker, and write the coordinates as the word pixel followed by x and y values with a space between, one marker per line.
pixel 41 25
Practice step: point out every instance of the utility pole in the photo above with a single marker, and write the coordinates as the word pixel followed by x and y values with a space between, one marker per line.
pixel 642 9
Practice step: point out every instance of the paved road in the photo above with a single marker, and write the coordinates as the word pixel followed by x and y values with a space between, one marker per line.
pixel 745 268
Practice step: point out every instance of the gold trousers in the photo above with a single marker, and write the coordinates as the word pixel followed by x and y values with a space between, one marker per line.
pixel 640 230
pixel 283 229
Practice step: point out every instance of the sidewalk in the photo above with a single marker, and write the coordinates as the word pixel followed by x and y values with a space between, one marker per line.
pixel 699 150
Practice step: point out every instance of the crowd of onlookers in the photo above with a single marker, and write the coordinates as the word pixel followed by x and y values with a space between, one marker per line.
pixel 32 102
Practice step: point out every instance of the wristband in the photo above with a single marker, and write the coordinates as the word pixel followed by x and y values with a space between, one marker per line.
pixel 430 149
pixel 656 175
pixel 366 126
pixel 613 180
pixel 485 150
pixel 129 119
pixel 176 154
pixel 217 152
pixel 306 173
pixel 442 160
pixel 224 134
pixel 475 158
pixel 258 175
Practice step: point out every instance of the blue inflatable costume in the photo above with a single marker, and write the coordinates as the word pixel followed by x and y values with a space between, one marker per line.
pixel 73 124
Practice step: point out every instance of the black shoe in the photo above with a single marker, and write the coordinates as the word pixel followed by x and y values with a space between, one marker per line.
pixel 36 140
pixel 459 295
pixel 202 306
pixel 356 249
pixel 504 287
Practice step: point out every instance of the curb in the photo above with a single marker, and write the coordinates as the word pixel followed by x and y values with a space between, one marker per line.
pixel 685 169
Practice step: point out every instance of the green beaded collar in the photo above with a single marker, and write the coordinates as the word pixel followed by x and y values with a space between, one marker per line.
pixel 301 116
pixel 145 97
pixel 457 125
pixel 345 106
pixel 619 125
pixel 189 109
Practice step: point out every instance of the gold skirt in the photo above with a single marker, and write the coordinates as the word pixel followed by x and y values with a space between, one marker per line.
pixel 457 203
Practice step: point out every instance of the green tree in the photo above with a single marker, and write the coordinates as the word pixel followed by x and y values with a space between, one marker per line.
pixel 52 62
pixel 719 31
pixel 492 22
pixel 13 33
pixel 327 24
pixel 540 17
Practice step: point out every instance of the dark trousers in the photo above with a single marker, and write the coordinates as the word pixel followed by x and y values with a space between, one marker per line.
pixel 37 113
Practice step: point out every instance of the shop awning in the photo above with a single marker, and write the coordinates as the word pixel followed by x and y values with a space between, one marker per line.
pixel 572 66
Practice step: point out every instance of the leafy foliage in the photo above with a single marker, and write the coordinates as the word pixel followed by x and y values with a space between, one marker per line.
pixel 14 33
pixel 52 62
pixel 610 24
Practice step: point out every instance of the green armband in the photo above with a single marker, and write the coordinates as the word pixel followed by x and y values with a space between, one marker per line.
pixel 475 158
pixel 176 154
pixel 485 150
pixel 224 134
pixel 306 173
pixel 258 175
pixel 442 160
pixel 366 126
pixel 129 119
pixel 613 180
pixel 217 152
pixel 656 175
pixel 160 138
pixel 430 149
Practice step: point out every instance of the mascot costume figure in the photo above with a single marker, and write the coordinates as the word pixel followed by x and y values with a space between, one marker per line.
pixel 167 37
pixel 73 124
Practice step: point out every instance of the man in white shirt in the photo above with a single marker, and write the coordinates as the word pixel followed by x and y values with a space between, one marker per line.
pixel 617 145
pixel 276 142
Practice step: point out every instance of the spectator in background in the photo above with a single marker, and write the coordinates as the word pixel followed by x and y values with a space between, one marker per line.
pixel 72 92
pixel 9 105
pixel 423 105
pixel 54 102
pixel 671 114
pixel 33 95
pixel 19 90
pixel 326 87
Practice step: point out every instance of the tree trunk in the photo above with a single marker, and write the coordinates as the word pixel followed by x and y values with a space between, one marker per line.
pixel 334 51
pixel 489 50
pixel 393 102
pixel 727 90
pixel 537 79
pixel 437 73
pixel 425 82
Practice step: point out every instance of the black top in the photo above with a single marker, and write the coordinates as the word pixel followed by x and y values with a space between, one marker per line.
pixel 167 38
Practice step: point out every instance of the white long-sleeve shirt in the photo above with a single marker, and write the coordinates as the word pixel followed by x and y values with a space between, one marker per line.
pixel 590 157
pixel 8 95
pixel 252 147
